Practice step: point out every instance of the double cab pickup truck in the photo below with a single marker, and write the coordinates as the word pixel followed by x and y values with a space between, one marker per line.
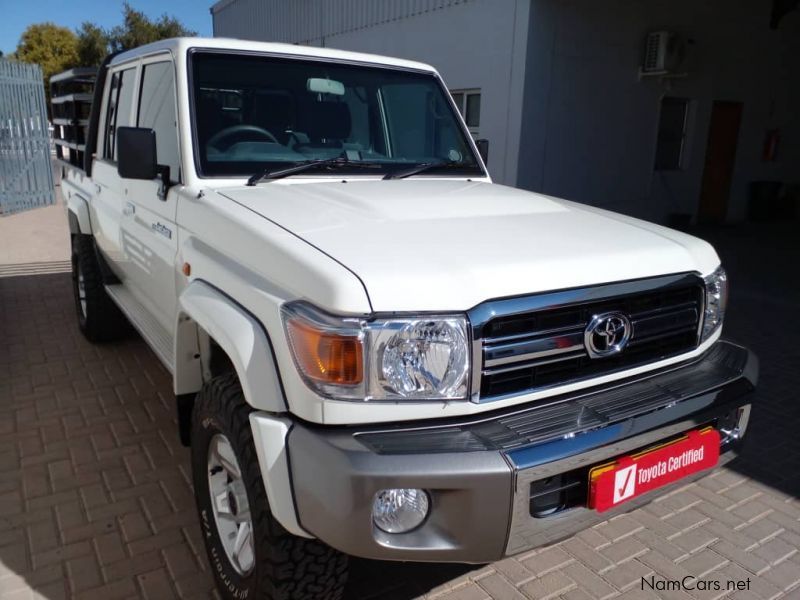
pixel 375 350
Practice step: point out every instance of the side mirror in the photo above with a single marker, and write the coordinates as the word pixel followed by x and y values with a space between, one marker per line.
pixel 483 150
pixel 136 157
pixel 136 153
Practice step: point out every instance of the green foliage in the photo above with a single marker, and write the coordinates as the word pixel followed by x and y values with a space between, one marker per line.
pixel 93 44
pixel 137 29
pixel 57 48
pixel 52 47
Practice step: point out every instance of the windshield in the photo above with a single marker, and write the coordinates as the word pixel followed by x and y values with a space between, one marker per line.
pixel 255 113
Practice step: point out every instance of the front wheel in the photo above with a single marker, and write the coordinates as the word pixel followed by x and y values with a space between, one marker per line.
pixel 251 554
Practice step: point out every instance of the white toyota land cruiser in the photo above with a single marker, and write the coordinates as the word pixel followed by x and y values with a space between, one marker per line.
pixel 376 351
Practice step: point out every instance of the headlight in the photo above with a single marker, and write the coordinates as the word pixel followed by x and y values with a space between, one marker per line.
pixel 425 358
pixel 399 358
pixel 716 301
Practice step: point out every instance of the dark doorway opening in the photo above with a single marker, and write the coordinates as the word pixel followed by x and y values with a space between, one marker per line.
pixel 723 135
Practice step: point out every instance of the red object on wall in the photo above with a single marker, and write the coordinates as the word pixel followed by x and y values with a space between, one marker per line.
pixel 634 475
pixel 771 140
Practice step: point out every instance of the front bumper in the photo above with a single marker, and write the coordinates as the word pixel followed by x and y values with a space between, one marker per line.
pixel 481 473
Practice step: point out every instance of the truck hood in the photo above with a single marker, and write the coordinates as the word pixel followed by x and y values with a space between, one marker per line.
pixel 444 245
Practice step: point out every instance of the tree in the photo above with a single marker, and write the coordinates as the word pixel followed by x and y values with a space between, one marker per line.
pixel 93 45
pixel 52 47
pixel 138 29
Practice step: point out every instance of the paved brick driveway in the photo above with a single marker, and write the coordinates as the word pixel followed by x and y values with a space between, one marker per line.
pixel 95 498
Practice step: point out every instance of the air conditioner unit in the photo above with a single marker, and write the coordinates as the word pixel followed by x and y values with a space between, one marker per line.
pixel 664 52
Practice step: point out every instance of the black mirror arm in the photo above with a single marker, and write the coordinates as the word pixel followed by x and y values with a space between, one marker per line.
pixel 163 174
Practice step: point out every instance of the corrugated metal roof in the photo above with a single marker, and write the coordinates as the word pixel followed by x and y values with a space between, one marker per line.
pixel 304 21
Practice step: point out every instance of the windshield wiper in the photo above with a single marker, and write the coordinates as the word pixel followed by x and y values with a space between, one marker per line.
pixel 336 161
pixel 421 167
pixel 298 168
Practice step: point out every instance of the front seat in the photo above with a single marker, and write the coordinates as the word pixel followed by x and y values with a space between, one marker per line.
pixel 328 126
pixel 274 111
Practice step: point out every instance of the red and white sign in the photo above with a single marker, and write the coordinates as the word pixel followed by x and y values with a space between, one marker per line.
pixel 632 476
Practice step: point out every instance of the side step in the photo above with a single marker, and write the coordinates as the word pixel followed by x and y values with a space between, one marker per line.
pixel 151 330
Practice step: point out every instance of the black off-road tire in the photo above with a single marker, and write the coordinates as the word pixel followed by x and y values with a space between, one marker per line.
pixel 287 567
pixel 99 319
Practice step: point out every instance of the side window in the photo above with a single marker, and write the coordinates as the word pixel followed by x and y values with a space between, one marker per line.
pixel 118 112
pixel 157 112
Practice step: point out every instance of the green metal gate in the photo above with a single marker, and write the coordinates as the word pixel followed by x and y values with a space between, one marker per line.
pixel 26 172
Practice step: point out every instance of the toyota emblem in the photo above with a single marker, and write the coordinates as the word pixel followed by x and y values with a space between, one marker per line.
pixel 607 334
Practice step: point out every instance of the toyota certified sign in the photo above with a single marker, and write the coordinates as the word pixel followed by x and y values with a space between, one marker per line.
pixel 630 476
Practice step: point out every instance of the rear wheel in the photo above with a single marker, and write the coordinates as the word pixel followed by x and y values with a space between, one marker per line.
pixel 251 554
pixel 99 319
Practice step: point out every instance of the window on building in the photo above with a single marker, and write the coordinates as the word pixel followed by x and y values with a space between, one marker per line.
pixel 469 105
pixel 157 112
pixel 118 111
pixel 671 134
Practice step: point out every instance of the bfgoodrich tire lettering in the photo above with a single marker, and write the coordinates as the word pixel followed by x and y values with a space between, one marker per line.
pixel 287 567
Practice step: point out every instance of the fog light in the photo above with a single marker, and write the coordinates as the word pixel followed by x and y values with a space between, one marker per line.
pixel 400 510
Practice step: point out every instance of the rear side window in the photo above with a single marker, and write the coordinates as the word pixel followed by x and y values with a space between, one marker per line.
pixel 157 112
pixel 118 112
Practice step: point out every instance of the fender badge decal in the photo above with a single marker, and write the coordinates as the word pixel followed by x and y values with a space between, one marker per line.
pixel 162 229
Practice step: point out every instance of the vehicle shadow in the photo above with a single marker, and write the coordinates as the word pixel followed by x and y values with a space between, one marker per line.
pixel 380 580
pixel 761 260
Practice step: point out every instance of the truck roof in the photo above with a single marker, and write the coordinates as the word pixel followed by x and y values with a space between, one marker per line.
pixel 180 45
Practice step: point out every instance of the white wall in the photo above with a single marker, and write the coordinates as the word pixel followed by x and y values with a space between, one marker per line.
pixel 473 44
pixel 589 126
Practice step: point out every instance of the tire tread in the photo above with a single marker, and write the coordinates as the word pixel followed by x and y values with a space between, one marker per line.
pixel 290 567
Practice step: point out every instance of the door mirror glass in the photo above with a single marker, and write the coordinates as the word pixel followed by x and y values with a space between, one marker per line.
pixel 136 153
pixel 483 150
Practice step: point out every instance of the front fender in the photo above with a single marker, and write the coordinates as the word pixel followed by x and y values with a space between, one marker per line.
pixel 238 334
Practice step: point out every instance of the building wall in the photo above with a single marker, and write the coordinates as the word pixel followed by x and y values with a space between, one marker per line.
pixel 473 44
pixel 589 125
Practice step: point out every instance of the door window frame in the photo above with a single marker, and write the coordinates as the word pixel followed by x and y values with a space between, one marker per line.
pixel 159 58
pixel 100 150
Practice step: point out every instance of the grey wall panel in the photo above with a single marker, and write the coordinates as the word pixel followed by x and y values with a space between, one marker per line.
pixel 311 21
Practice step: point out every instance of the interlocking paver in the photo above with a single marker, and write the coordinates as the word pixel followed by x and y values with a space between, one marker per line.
pixel 546 560
pixel 96 501
pixel 548 586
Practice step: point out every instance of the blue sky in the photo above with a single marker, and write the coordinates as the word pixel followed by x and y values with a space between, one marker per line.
pixel 18 14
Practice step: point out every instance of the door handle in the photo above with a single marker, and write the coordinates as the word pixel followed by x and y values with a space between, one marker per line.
pixel 128 209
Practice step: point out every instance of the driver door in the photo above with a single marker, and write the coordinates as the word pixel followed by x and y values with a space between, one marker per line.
pixel 149 232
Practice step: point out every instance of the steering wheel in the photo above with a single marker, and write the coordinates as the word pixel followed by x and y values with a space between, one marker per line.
pixel 237 133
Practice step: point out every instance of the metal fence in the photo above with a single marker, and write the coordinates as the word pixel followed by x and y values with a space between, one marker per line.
pixel 26 171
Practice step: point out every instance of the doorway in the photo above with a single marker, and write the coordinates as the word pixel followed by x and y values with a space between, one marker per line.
pixel 723 134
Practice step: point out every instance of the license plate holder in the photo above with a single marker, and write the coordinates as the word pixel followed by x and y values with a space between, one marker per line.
pixel 630 476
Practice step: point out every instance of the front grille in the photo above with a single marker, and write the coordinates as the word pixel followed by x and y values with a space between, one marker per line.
pixel 545 347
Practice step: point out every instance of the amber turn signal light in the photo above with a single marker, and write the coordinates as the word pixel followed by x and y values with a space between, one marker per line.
pixel 324 356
